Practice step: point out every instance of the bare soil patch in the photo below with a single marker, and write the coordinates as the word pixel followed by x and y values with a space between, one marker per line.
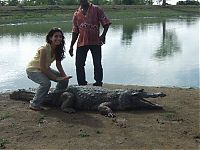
pixel 176 127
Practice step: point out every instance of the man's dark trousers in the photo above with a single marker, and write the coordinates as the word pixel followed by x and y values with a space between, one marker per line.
pixel 81 55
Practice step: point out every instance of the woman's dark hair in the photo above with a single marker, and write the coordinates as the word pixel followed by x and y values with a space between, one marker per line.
pixel 60 49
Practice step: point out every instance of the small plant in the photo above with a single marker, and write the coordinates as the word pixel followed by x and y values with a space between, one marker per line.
pixel 3 142
pixel 83 134
pixel 4 115
pixel 12 125
pixel 98 132
pixel 169 115
pixel 41 119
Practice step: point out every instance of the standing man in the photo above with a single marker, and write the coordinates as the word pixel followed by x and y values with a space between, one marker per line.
pixel 86 24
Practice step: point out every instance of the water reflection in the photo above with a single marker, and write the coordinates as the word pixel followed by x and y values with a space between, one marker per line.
pixel 128 29
pixel 150 51
pixel 169 43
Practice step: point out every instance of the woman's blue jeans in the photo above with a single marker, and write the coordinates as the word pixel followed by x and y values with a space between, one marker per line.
pixel 45 84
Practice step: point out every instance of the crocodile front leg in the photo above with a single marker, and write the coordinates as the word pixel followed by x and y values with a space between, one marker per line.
pixel 67 102
pixel 104 109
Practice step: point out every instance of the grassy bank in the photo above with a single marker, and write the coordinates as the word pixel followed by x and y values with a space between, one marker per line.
pixel 10 14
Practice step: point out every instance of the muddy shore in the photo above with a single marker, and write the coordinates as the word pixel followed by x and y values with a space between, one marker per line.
pixel 175 127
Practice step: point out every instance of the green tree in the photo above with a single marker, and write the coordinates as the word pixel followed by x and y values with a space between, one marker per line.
pixel 51 2
pixel 27 2
pixel 127 2
pixel 2 3
pixel 149 2
pixel 41 2
pixel 100 2
pixel 117 2
pixel 70 2
pixel 13 2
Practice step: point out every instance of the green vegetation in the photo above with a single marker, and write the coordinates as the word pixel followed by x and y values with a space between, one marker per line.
pixel 21 14
pixel 169 115
pixel 76 2
pixel 83 134
pixel 41 118
pixel 4 115
pixel 3 142
pixel 187 3
pixel 71 2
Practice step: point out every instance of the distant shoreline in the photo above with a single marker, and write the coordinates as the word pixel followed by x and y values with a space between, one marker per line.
pixel 114 86
pixel 14 14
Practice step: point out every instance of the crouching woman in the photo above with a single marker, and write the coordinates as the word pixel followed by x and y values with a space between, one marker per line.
pixel 39 71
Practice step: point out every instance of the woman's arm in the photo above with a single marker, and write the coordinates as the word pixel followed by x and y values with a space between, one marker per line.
pixel 60 68
pixel 43 67
pixel 62 72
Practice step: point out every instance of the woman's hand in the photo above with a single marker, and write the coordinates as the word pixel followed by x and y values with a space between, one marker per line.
pixel 63 78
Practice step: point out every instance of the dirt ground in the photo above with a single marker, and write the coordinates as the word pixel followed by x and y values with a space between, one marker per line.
pixel 175 127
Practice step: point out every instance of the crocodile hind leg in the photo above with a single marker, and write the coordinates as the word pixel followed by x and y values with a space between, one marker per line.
pixel 104 109
pixel 67 102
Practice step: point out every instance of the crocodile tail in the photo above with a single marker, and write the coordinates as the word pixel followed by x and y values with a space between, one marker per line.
pixel 22 95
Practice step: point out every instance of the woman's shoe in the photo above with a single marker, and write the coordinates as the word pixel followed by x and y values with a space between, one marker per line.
pixel 97 84
pixel 36 108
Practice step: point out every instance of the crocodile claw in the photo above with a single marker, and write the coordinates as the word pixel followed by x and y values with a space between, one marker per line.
pixel 110 115
pixel 161 94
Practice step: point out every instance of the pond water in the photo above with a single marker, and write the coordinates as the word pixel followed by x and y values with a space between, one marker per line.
pixel 146 51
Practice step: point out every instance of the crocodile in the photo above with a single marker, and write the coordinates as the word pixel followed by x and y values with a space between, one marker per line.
pixel 96 98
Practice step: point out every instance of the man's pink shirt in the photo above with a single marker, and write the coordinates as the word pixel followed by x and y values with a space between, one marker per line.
pixel 88 25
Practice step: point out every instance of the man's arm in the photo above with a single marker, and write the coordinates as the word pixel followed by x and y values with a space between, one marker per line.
pixel 103 35
pixel 74 38
pixel 105 22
